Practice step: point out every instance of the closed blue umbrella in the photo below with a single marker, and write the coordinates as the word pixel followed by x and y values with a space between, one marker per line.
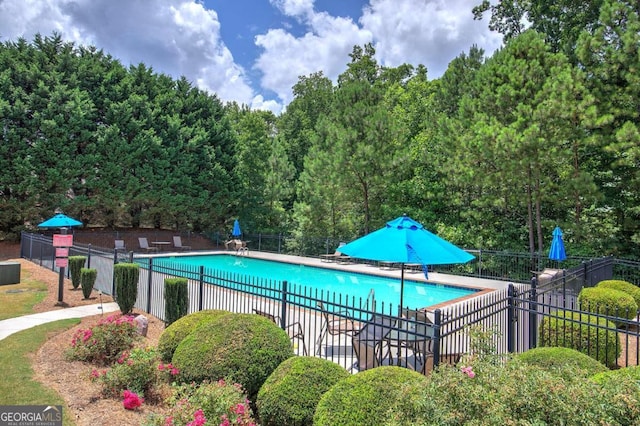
pixel 236 229
pixel 60 221
pixel 557 251
pixel 403 240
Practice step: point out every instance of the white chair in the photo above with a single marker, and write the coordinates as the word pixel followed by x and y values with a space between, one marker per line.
pixel 177 243
pixel 144 244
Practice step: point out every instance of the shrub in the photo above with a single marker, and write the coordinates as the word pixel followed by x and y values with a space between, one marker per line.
pixel 624 286
pixel 76 263
pixel 104 342
pixel 607 301
pixel 126 276
pixel 212 402
pixel 512 393
pixel 87 280
pixel 173 334
pixel 616 375
pixel 139 371
pixel 555 360
pixel 244 348
pixel 291 393
pixel 366 398
pixel 585 333
pixel 176 299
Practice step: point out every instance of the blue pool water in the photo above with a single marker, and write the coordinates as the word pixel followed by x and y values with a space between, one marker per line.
pixel 416 294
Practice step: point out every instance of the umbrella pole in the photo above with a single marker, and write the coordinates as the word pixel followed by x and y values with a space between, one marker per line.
pixel 401 287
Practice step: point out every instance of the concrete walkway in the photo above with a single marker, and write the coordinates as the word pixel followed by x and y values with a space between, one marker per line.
pixel 13 325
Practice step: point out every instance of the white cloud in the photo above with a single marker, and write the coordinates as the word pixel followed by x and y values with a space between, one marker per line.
pixel 428 32
pixel 325 47
pixel 175 37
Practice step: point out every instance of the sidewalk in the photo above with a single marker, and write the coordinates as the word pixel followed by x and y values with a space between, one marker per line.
pixel 13 325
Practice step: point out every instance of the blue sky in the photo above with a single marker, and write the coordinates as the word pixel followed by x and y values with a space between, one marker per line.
pixel 253 51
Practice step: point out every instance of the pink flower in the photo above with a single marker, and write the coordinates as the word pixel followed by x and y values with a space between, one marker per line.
pixel 174 371
pixel 199 419
pixel 131 400
pixel 468 371
pixel 225 421
pixel 239 409
pixel 168 421
pixel 160 366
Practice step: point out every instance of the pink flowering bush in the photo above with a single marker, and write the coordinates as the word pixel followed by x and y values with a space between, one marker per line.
pixel 217 403
pixel 104 342
pixel 140 371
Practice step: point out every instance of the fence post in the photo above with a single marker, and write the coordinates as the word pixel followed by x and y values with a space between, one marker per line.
pixel 437 321
pixel 149 283
pixel 201 288
pixel 89 256
pixel 564 288
pixel 533 314
pixel 283 312
pixel 511 319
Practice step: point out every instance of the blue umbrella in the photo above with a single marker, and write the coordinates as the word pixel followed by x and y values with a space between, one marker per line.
pixel 59 221
pixel 557 251
pixel 236 229
pixel 403 240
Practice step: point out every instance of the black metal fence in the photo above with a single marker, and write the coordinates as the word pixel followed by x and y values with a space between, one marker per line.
pixel 360 334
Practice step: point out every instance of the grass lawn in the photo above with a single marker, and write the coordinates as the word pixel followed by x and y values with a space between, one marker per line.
pixel 17 386
pixel 18 299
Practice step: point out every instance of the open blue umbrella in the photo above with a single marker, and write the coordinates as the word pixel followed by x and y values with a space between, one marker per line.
pixel 403 240
pixel 59 221
pixel 557 251
pixel 236 229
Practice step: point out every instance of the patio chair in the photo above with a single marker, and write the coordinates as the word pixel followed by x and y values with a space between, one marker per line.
pixel 119 245
pixel 417 332
pixel 144 244
pixel 370 344
pixel 294 330
pixel 177 243
pixel 334 324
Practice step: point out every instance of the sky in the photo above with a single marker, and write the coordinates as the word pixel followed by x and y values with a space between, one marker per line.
pixel 254 51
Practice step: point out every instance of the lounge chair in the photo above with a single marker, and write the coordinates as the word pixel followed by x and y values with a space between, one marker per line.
pixel 177 243
pixel 237 245
pixel 334 257
pixel 334 324
pixel 119 245
pixel 294 330
pixel 417 333
pixel 144 244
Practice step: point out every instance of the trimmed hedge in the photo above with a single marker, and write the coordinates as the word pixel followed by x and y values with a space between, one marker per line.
pixel 291 393
pixel 76 263
pixel 585 333
pixel 607 301
pixel 176 299
pixel 610 376
pixel 624 286
pixel 366 398
pixel 244 348
pixel 176 332
pixel 87 280
pixel 556 360
pixel 126 276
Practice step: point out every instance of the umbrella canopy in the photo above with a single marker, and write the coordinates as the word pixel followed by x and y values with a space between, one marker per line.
pixel 59 221
pixel 403 240
pixel 236 229
pixel 557 251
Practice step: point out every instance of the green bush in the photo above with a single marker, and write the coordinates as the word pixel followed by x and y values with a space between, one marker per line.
pixel 585 333
pixel 140 371
pixel 555 360
pixel 291 393
pixel 176 299
pixel 173 334
pixel 366 398
pixel 87 280
pixel 244 348
pixel 624 286
pixel 512 393
pixel 126 276
pixel 607 301
pixel 104 342
pixel 76 263
pixel 616 375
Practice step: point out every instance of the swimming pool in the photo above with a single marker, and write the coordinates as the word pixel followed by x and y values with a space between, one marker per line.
pixel 416 294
